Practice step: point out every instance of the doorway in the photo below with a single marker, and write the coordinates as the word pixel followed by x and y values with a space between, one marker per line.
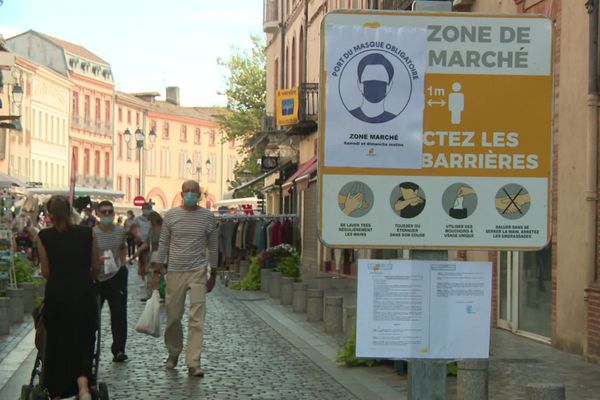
pixel 525 293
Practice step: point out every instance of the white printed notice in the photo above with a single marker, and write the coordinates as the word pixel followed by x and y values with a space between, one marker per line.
pixel 423 309
pixel 374 103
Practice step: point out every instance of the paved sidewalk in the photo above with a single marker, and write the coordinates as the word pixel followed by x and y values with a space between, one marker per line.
pixel 258 349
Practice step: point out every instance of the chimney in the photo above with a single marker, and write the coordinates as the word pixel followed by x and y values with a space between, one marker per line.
pixel 173 95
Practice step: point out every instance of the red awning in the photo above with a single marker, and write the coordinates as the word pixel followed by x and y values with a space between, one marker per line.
pixel 306 168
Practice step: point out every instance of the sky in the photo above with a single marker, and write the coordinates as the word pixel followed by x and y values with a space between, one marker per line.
pixel 150 44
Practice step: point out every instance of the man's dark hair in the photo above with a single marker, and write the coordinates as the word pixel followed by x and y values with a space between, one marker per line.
pixel 375 59
pixel 105 203
pixel 409 185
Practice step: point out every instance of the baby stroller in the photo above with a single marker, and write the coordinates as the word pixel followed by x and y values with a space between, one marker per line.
pixel 33 391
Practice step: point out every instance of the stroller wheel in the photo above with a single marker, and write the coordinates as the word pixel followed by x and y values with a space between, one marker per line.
pixel 102 391
pixel 25 392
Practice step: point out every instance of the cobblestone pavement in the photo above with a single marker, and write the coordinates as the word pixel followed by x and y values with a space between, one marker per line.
pixel 243 359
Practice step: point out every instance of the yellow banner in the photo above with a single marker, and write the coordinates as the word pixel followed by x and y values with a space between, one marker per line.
pixel 287 106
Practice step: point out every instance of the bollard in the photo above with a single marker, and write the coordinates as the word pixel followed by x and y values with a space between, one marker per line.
pixel 285 290
pixel 4 316
pixel 15 304
pixel 333 314
pixel 314 305
pixel 29 295
pixel 299 297
pixel 472 379
pixel 545 391
pixel 265 275
pixel 350 322
pixel 274 284
pixel 244 265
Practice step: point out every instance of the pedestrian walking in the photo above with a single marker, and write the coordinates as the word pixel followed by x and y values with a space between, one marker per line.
pixel 113 277
pixel 187 233
pixel 140 235
pixel 128 224
pixel 69 257
pixel 151 246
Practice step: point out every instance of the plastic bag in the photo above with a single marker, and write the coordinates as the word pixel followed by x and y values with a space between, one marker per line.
pixel 110 265
pixel 149 322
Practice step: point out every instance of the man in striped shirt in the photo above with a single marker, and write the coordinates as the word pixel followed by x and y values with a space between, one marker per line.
pixel 113 284
pixel 187 233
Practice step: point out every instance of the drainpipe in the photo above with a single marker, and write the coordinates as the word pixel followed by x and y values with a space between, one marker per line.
pixel 591 187
pixel 282 64
pixel 592 142
pixel 305 44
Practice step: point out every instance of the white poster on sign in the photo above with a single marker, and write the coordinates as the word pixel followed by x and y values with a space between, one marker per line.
pixel 423 309
pixel 374 106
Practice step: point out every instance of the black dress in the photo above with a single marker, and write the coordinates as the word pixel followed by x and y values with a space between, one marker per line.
pixel 70 309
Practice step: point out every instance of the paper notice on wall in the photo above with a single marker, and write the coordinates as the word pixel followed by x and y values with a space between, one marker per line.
pixel 423 309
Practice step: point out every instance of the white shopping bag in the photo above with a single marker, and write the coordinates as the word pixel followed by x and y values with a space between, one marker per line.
pixel 110 265
pixel 149 321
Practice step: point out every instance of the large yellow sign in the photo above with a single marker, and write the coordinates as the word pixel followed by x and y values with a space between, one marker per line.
pixel 484 181
pixel 287 106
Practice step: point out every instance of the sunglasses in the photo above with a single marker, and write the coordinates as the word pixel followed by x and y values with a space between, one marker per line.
pixel 106 212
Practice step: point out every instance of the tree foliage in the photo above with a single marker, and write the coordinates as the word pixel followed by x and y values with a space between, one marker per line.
pixel 246 88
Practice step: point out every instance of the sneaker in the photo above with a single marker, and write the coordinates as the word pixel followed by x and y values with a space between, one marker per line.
pixel 120 357
pixel 171 362
pixel 195 371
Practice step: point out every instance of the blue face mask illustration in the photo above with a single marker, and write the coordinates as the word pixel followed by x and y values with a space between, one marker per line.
pixel 374 91
pixel 190 198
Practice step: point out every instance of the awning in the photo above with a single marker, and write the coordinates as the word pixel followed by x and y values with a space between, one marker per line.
pixel 261 177
pixel 95 194
pixel 301 173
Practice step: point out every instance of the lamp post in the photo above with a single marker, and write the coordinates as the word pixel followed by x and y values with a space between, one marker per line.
pixel 198 169
pixel 140 144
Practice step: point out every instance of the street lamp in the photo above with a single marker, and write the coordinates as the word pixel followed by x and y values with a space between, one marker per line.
pixel 190 166
pixel 15 117
pixel 140 144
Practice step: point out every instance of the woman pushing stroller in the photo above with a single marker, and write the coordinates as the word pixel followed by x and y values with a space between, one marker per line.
pixel 70 261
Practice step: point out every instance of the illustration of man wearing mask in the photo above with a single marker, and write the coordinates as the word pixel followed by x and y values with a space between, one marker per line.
pixel 375 80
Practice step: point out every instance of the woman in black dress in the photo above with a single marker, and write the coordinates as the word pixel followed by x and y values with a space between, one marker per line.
pixel 70 261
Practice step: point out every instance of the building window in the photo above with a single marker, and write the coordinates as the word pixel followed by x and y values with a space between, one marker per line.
pixel 86 106
pixel 120 183
pixel 120 147
pixel 98 111
pixel 212 171
pixel 183 134
pixel 286 66
pixel 107 165
pixel 165 130
pixel 293 65
pixel 183 165
pixel 128 189
pixel 153 125
pixel 97 163
pixel 107 111
pixel 212 138
pixel 151 162
pixel 120 114
pixel 86 161
pixel 128 153
pixel 137 186
pixel 197 136
pixel 129 117
pixel 165 162
pixel 137 119
pixel 75 103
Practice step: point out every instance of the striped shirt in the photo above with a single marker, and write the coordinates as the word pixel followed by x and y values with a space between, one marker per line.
pixel 112 240
pixel 184 238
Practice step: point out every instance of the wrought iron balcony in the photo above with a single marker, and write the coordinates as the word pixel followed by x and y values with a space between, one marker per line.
pixel 309 102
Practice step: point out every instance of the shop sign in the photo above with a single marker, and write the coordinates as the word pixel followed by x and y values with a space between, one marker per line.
pixel 436 130
pixel 287 106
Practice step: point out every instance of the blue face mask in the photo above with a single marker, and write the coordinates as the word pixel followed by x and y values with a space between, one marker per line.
pixel 107 220
pixel 190 198
pixel 375 91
